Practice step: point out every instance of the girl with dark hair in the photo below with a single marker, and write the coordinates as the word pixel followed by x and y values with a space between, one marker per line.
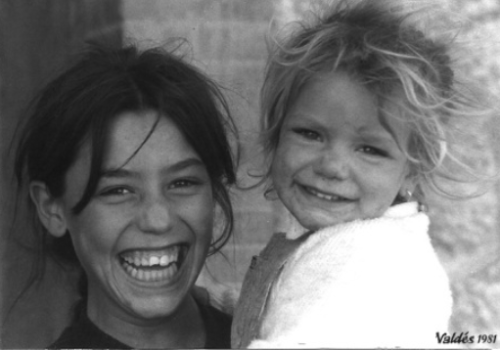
pixel 126 159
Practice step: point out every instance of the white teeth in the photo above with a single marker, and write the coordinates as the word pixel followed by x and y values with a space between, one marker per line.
pixel 151 275
pixel 149 259
pixel 164 260
pixel 133 272
pixel 152 265
pixel 324 196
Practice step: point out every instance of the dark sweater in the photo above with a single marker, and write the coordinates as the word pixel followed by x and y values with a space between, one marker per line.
pixel 84 334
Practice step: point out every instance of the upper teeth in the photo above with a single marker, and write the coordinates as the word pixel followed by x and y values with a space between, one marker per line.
pixel 163 258
pixel 324 196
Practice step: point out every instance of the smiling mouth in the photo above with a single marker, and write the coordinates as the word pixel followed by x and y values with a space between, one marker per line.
pixel 325 196
pixel 156 265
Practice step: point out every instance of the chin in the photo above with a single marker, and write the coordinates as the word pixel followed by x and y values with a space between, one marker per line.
pixel 153 310
pixel 311 224
pixel 315 222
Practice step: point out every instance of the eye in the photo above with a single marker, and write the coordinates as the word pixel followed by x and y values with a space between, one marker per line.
pixel 308 134
pixel 182 183
pixel 116 194
pixel 115 191
pixel 185 184
pixel 373 151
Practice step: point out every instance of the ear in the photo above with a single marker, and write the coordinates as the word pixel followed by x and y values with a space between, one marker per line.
pixel 48 208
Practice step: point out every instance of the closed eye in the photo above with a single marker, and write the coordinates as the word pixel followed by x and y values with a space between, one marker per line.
pixel 308 134
pixel 373 151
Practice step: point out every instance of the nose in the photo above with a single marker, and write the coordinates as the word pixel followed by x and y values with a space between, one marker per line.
pixel 155 215
pixel 332 163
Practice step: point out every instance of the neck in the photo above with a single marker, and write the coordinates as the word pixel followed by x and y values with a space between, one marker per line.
pixel 183 329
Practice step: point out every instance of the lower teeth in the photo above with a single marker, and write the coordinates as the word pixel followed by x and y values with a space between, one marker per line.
pixel 151 275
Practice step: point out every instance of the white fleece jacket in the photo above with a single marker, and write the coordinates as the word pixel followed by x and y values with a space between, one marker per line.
pixel 367 283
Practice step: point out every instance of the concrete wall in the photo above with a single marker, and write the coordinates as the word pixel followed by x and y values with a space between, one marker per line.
pixel 468 233
pixel 36 38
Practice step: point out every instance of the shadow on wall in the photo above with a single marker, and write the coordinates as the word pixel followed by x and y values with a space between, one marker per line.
pixel 36 40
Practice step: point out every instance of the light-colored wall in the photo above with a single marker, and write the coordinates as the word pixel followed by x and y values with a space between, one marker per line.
pixel 467 233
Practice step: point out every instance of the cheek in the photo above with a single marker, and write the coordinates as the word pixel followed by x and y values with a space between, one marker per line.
pixel 283 163
pixel 386 187
pixel 280 175
pixel 199 215
pixel 93 235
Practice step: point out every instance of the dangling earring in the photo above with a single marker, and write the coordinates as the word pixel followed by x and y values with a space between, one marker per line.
pixel 408 195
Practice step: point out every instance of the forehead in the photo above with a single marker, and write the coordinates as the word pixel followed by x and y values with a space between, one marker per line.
pixel 145 137
pixel 142 138
pixel 133 148
pixel 334 93
pixel 337 97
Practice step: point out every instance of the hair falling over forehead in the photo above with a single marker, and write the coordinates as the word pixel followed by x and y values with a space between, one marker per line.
pixel 78 107
pixel 388 47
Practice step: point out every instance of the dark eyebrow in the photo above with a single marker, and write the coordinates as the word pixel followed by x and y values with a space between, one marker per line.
pixel 186 163
pixel 118 173
pixel 125 173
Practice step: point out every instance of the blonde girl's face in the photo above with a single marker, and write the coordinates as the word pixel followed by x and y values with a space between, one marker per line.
pixel 335 162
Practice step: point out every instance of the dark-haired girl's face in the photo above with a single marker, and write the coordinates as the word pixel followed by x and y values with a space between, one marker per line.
pixel 144 236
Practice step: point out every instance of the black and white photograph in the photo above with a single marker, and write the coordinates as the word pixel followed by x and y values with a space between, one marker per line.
pixel 216 174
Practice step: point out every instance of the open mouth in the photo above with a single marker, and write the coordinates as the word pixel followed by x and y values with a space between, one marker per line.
pixel 325 196
pixel 154 265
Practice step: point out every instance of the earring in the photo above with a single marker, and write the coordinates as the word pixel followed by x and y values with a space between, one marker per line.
pixel 408 195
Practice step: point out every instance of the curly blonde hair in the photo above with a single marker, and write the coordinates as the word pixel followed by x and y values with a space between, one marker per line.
pixel 378 46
